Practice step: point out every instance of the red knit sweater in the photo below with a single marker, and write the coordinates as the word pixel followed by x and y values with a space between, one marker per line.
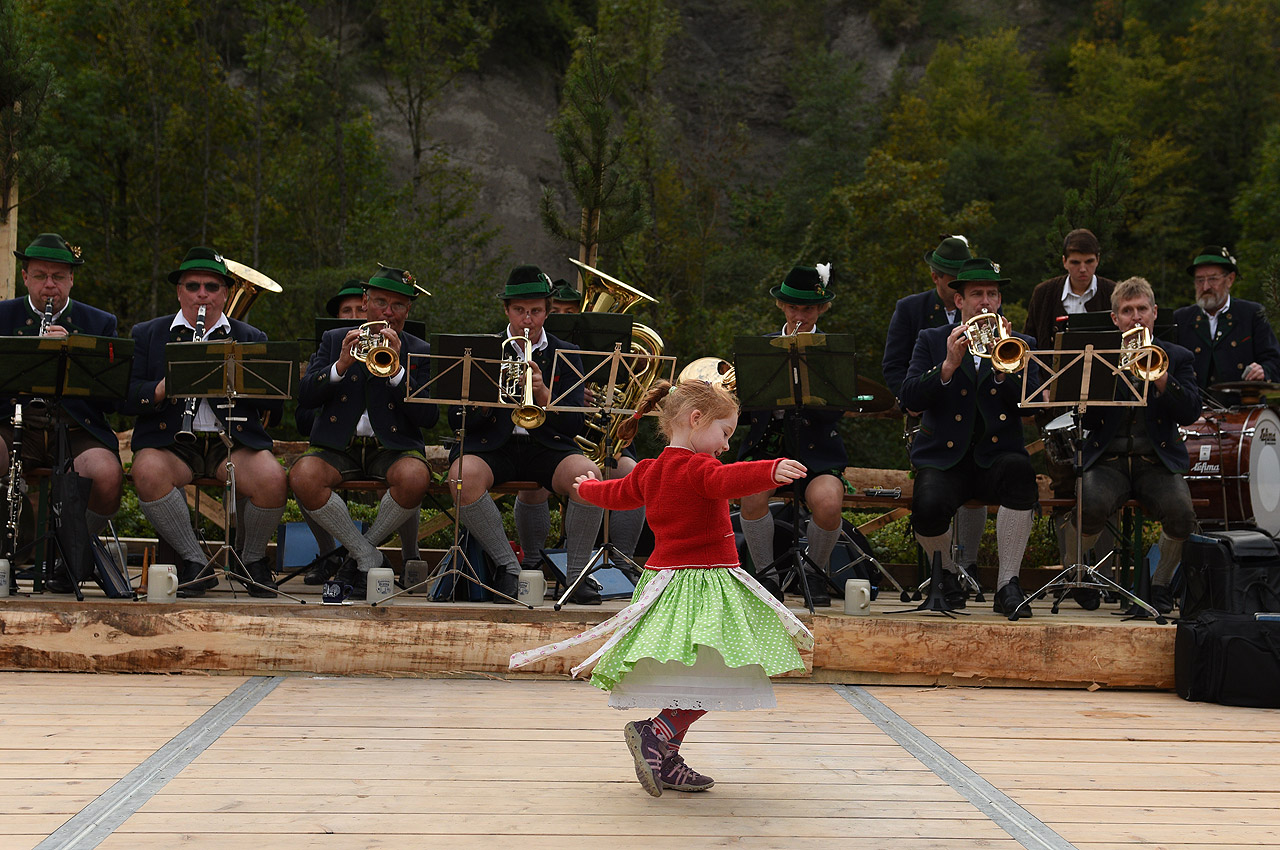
pixel 686 495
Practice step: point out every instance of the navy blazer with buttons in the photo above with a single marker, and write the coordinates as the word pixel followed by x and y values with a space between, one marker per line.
pixel 910 316
pixel 972 409
pixel 17 318
pixel 1244 337
pixel 1179 404
pixel 157 423
pixel 338 405
pixel 489 428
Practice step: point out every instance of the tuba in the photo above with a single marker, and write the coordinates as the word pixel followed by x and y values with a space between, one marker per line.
pixel 711 370
pixel 988 338
pixel 1142 357
pixel 370 349
pixel 246 285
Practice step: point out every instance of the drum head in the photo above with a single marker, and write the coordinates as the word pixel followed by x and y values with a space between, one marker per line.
pixel 1264 471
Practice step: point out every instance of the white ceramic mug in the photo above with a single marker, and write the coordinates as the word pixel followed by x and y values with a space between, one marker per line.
pixel 532 588
pixel 162 583
pixel 5 578
pixel 382 583
pixel 857 597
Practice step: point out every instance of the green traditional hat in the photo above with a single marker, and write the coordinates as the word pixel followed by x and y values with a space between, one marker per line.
pixel 202 259
pixel 1214 255
pixel 526 282
pixel 393 280
pixel 562 291
pixel 351 287
pixel 949 256
pixel 805 285
pixel 977 270
pixel 51 247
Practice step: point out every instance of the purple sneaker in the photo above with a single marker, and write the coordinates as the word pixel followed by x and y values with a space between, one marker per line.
pixel 678 776
pixel 648 751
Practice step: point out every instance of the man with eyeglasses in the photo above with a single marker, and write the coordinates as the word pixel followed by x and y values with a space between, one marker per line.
pixel 1230 338
pixel 48 272
pixel 163 463
pixel 366 428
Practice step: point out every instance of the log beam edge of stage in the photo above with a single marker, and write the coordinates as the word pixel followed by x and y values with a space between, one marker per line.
pixel 417 641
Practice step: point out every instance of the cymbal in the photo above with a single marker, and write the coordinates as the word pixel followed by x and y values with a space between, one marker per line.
pixel 1247 387
pixel 881 398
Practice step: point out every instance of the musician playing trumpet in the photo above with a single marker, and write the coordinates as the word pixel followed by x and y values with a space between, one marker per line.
pixel 499 450
pixel 167 456
pixel 1136 452
pixel 364 428
pixel 48 272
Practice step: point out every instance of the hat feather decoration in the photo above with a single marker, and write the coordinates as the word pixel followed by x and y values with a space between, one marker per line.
pixel 824 272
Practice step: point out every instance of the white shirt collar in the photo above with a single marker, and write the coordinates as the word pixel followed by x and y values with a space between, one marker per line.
pixel 1067 292
pixel 180 321
pixel 39 311
pixel 1226 305
pixel 537 346
pixel 814 331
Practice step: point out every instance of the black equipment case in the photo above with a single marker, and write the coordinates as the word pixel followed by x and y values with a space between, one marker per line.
pixel 1232 659
pixel 1231 571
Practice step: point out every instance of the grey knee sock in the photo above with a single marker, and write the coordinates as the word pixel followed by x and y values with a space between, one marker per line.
pixel 971 522
pixel 1013 529
pixel 391 515
pixel 259 525
pixel 1170 557
pixel 1087 542
pixel 625 528
pixel 483 520
pixel 759 534
pixel 97 522
pixel 324 540
pixel 581 525
pixel 409 538
pixel 533 524
pixel 334 518
pixel 935 545
pixel 172 521
pixel 821 542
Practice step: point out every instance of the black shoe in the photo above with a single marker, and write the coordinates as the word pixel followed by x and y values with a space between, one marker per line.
pixel 1088 598
pixel 508 584
pixel 1009 601
pixel 351 574
pixel 586 594
pixel 262 580
pixel 817 590
pixel 1161 598
pixel 57 582
pixel 325 566
pixel 190 574
pixel 952 591
pixel 770 583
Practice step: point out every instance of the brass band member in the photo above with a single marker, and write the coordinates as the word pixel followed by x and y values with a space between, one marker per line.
pixel 970 443
pixel 803 296
pixel 364 428
pixel 163 465
pixel 564 298
pixel 1137 452
pixel 48 272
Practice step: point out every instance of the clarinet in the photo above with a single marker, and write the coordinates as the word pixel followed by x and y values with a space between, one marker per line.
pixel 188 433
pixel 14 494
pixel 37 405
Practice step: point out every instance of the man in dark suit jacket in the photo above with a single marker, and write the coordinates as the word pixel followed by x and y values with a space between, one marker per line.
pixel 809 436
pixel 365 427
pixel 1230 338
pixel 970 441
pixel 48 272
pixel 497 450
pixel 164 462
pixel 1080 290
pixel 1137 451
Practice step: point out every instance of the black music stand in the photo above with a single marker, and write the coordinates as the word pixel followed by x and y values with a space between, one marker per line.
pixel 229 370
pixel 618 369
pixel 78 366
pixel 787 373
pixel 465 371
pixel 1075 378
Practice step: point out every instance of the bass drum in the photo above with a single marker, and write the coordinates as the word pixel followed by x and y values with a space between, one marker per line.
pixel 1235 465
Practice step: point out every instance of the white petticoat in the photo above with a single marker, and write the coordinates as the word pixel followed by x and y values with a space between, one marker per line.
pixel 708 685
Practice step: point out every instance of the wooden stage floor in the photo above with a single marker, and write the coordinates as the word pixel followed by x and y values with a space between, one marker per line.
pixel 316 763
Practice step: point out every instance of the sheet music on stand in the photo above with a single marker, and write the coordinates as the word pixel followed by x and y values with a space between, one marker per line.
pixel 227 369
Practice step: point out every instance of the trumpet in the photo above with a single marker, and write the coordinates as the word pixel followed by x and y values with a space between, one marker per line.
pixel 371 350
pixel 988 338
pixel 515 384
pixel 1139 355
pixel 187 434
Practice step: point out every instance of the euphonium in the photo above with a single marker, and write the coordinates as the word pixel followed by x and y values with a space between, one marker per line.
pixel 1139 355
pixel 515 384
pixel 711 370
pixel 988 338
pixel 187 434
pixel 371 350
pixel 246 285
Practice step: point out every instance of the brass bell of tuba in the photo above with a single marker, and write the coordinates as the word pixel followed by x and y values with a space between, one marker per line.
pixel 246 285
pixel 711 370
pixel 988 338
pixel 515 384
pixel 1142 357
pixel 371 350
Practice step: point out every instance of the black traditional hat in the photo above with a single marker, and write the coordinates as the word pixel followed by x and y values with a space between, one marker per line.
pixel 202 259
pixel 526 281
pixel 978 270
pixel 805 285
pixel 562 291
pixel 51 247
pixel 351 287
pixel 1214 255
pixel 949 256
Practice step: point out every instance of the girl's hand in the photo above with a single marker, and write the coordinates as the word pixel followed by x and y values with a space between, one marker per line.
pixel 789 470
pixel 588 477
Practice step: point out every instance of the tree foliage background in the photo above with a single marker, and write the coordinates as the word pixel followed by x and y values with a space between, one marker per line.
pixel 268 128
